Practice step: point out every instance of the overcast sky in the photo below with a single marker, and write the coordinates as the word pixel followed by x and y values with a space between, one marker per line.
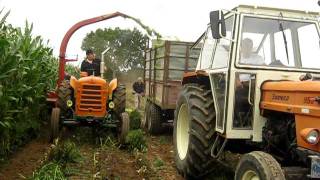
pixel 180 19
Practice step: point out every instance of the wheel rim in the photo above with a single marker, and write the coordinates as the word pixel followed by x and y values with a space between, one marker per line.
pixel 250 175
pixel 182 131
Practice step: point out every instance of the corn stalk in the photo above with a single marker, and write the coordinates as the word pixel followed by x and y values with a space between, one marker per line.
pixel 27 71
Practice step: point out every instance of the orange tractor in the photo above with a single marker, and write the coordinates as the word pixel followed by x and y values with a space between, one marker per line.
pixel 90 100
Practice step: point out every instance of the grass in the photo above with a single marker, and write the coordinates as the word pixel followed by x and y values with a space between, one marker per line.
pixel 57 166
pixel 143 165
pixel 136 140
pixel 158 163
pixel 135 119
pixel 108 142
pixel 66 152
pixel 163 140
pixel 50 171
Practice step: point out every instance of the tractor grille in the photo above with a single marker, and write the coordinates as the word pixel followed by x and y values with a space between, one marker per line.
pixel 91 98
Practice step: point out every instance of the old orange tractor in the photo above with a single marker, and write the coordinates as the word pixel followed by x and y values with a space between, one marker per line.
pixel 90 100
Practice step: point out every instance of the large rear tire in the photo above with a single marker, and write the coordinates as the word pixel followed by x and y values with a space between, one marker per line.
pixel 258 165
pixel 194 128
pixel 119 99
pixel 64 94
pixel 155 120
pixel 55 119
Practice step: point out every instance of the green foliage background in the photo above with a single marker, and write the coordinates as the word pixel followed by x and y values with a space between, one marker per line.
pixel 28 71
pixel 126 48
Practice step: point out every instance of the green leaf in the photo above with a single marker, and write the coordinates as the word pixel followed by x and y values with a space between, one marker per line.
pixel 29 99
pixel 13 98
pixel 4 17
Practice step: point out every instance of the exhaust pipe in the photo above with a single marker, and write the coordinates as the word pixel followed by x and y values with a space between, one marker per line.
pixel 102 61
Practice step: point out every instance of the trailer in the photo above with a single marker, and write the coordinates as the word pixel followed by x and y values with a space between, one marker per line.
pixel 164 67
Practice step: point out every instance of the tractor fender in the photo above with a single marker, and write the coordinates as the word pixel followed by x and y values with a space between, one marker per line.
pixel 73 82
pixel 199 77
pixel 113 85
pixel 52 99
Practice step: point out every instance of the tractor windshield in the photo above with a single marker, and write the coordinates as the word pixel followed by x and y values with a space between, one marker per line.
pixel 279 43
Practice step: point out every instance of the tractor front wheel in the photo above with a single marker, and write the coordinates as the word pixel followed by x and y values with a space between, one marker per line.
pixel 55 118
pixel 258 165
pixel 124 128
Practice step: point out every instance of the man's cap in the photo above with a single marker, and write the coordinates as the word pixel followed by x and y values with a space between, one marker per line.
pixel 89 51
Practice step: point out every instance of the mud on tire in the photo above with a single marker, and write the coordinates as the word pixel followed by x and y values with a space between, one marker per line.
pixel 259 164
pixel 193 159
pixel 119 99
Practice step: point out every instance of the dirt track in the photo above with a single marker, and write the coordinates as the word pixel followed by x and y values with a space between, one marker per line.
pixel 27 159
pixel 101 160
pixel 105 161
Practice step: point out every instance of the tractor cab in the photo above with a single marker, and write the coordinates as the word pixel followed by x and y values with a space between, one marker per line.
pixel 248 46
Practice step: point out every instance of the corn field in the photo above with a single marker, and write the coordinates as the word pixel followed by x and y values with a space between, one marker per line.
pixel 27 71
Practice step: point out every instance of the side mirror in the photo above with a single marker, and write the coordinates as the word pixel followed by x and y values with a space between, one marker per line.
pixel 217 24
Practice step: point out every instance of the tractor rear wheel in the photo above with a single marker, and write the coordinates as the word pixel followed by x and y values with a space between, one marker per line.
pixel 55 119
pixel 194 130
pixel 154 119
pixel 119 99
pixel 64 94
pixel 258 165
pixel 124 128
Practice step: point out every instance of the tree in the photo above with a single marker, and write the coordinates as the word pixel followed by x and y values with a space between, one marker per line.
pixel 126 48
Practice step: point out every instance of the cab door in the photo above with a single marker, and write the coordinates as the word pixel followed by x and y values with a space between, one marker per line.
pixel 219 72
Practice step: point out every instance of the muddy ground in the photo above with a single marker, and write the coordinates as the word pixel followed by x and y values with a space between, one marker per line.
pixel 102 158
pixel 26 160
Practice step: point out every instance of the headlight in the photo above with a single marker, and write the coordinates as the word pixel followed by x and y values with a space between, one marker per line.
pixel 69 103
pixel 111 105
pixel 313 137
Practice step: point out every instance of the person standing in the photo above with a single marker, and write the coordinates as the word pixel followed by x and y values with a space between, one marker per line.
pixel 138 90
